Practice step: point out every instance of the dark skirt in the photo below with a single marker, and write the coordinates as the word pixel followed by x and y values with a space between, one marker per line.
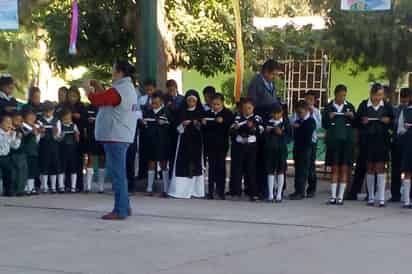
pixel 406 148
pixel 276 159
pixel 377 150
pixel 69 158
pixel 49 160
pixel 93 147
pixel 339 154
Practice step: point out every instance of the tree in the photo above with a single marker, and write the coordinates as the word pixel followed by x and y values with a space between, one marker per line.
pixel 371 39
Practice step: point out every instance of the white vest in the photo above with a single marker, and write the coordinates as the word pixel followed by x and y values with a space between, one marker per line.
pixel 118 124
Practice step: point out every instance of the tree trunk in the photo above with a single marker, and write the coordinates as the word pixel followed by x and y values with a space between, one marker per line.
pixel 393 84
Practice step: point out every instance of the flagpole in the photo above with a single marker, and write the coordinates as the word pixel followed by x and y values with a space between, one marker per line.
pixel 239 52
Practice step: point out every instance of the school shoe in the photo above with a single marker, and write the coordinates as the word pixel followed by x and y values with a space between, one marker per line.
pixel 210 197
pixel 371 203
pixel 296 196
pixel 394 200
pixel 113 217
pixel 407 206
pixel 332 201
pixel 311 194
pixel 73 190
pixel 149 194
pixel 34 192
pixel 221 197
pixel 382 204
pixel 254 199
pixel 53 191
pixel 61 191
pixel 165 195
pixel 339 202
pixel 278 201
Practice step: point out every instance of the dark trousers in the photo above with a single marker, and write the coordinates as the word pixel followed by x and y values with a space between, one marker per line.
pixel 130 166
pixel 396 155
pixel 6 169
pixel 302 158
pixel 312 178
pixel 360 173
pixel 217 171
pixel 261 176
pixel 243 162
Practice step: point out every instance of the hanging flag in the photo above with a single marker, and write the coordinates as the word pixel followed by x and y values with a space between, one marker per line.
pixel 9 19
pixel 240 58
pixel 366 5
pixel 74 28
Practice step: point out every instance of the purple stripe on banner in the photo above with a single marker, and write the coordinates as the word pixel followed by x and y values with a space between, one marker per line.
pixel 74 28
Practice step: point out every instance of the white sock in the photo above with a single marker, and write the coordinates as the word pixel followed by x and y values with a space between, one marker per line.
pixel 370 182
pixel 89 179
pixel 73 181
pixel 150 180
pixel 60 180
pixel 30 185
pixel 271 186
pixel 102 177
pixel 333 190
pixel 381 187
pixel 44 186
pixel 165 175
pixel 280 184
pixel 53 182
pixel 342 187
pixel 407 191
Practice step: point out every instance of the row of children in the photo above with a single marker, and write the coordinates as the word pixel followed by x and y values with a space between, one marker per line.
pixel 48 142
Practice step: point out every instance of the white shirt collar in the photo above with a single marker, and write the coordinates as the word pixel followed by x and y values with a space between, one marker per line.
pixel 276 122
pixel 214 112
pixel 3 95
pixel 306 117
pixel 370 104
pixel 158 109
pixel 191 109
pixel 247 117
pixel 49 119
pixel 339 108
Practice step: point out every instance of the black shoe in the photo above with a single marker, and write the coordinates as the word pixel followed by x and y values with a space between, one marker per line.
pixel 311 194
pixel 278 201
pixel 351 197
pixel 382 204
pixel 210 197
pixel 371 203
pixel 332 201
pixel 164 195
pixel 254 199
pixel 407 206
pixel 339 202
pixel 221 197
pixel 296 196
pixel 394 200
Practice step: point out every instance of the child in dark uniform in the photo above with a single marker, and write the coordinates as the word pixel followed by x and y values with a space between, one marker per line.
pixel 9 139
pixel 376 117
pixel 30 145
pixel 338 121
pixel 208 94
pixel 155 136
pixel 49 159
pixel 18 158
pixel 397 146
pixel 276 137
pixel 69 149
pixel 304 128
pixel 216 126
pixel 94 151
pixel 404 132
pixel 62 100
pixel 245 130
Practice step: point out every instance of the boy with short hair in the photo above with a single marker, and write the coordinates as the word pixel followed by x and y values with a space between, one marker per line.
pixel 246 129
pixel 304 127
pixel 216 126
pixel 208 94
pixel 9 139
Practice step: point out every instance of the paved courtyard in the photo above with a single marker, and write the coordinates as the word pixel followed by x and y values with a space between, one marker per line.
pixel 63 234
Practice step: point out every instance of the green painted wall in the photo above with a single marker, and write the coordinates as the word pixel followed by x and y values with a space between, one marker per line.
pixel 358 86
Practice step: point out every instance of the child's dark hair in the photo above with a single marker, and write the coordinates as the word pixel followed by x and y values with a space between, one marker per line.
pixel 277 108
pixel 311 93
pixel 271 66
pixel 126 68
pixel 149 82
pixel 65 111
pixel 405 92
pixel 6 80
pixel 209 90
pixel 219 96
pixel 171 83
pixel 48 106
pixel 246 100
pixel 4 117
pixel 16 113
pixel 375 88
pixel 26 111
pixel 340 88
pixel 158 94
pixel 302 104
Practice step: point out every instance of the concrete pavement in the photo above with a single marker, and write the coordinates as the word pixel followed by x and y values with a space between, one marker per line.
pixel 63 234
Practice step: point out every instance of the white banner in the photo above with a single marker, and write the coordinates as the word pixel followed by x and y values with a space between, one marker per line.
pixel 366 5
pixel 9 19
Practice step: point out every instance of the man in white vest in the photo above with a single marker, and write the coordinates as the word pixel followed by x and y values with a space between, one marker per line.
pixel 115 129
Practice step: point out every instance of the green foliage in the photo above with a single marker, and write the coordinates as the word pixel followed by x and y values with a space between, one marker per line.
pixel 291 8
pixel 371 39
pixel 104 32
